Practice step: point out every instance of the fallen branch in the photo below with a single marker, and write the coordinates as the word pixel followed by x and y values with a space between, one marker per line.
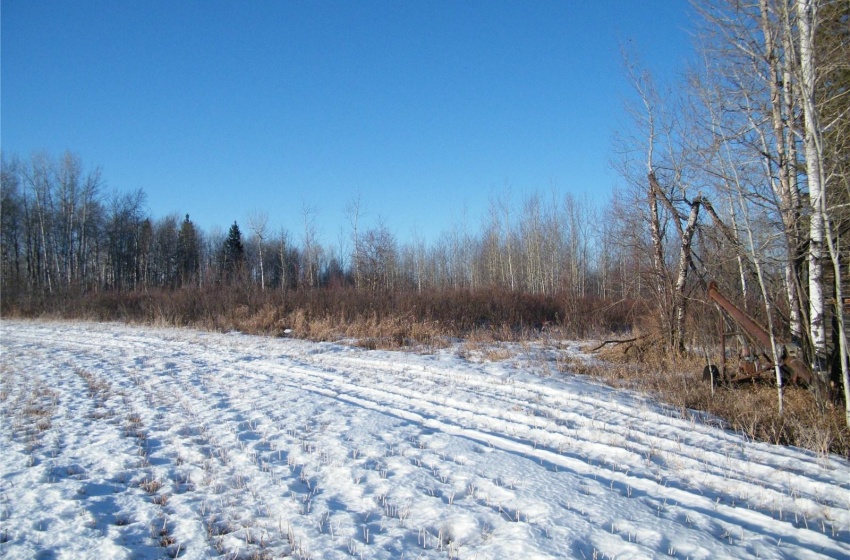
pixel 617 342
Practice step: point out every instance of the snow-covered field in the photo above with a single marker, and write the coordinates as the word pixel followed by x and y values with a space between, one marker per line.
pixel 129 442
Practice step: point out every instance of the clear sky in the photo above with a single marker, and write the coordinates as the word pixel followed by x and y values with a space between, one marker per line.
pixel 423 108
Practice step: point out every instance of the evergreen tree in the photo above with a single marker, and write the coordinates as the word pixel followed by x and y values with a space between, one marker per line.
pixel 189 253
pixel 233 252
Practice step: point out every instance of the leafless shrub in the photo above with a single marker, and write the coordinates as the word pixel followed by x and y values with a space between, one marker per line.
pixel 394 318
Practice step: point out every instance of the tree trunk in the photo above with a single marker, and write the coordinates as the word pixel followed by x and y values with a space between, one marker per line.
pixel 788 197
pixel 685 260
pixel 658 268
pixel 806 22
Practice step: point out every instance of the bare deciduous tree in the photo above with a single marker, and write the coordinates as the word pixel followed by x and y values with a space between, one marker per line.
pixel 258 223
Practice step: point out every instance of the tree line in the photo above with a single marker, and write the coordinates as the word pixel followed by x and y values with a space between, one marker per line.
pixel 62 233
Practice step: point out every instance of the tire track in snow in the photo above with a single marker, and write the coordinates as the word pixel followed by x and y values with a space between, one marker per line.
pixel 445 419
pixel 640 420
pixel 714 468
pixel 220 370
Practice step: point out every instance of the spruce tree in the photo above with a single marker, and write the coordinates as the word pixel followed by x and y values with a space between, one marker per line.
pixel 233 250
pixel 189 253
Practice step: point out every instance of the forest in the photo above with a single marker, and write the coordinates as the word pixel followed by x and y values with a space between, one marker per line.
pixel 65 239
pixel 736 172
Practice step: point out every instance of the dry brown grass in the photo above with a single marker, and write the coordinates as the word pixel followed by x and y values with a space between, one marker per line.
pixel 750 409
pixel 370 331
pixel 150 486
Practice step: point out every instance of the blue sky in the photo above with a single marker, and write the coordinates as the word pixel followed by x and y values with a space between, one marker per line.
pixel 422 108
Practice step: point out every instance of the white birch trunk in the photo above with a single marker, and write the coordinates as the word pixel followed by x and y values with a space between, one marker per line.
pixel 684 265
pixel 788 197
pixel 806 13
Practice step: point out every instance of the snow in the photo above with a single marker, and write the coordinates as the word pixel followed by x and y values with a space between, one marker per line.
pixel 131 442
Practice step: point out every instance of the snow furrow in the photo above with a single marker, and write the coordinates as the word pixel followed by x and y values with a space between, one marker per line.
pixel 143 443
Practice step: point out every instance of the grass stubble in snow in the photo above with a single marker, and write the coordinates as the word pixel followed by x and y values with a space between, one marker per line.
pixel 129 442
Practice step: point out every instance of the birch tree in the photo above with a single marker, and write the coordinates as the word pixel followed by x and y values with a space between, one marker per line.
pixel 668 206
pixel 258 223
pixel 744 47
pixel 353 212
pixel 813 142
pixel 822 235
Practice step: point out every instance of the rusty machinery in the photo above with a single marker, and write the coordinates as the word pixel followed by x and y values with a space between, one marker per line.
pixel 756 361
